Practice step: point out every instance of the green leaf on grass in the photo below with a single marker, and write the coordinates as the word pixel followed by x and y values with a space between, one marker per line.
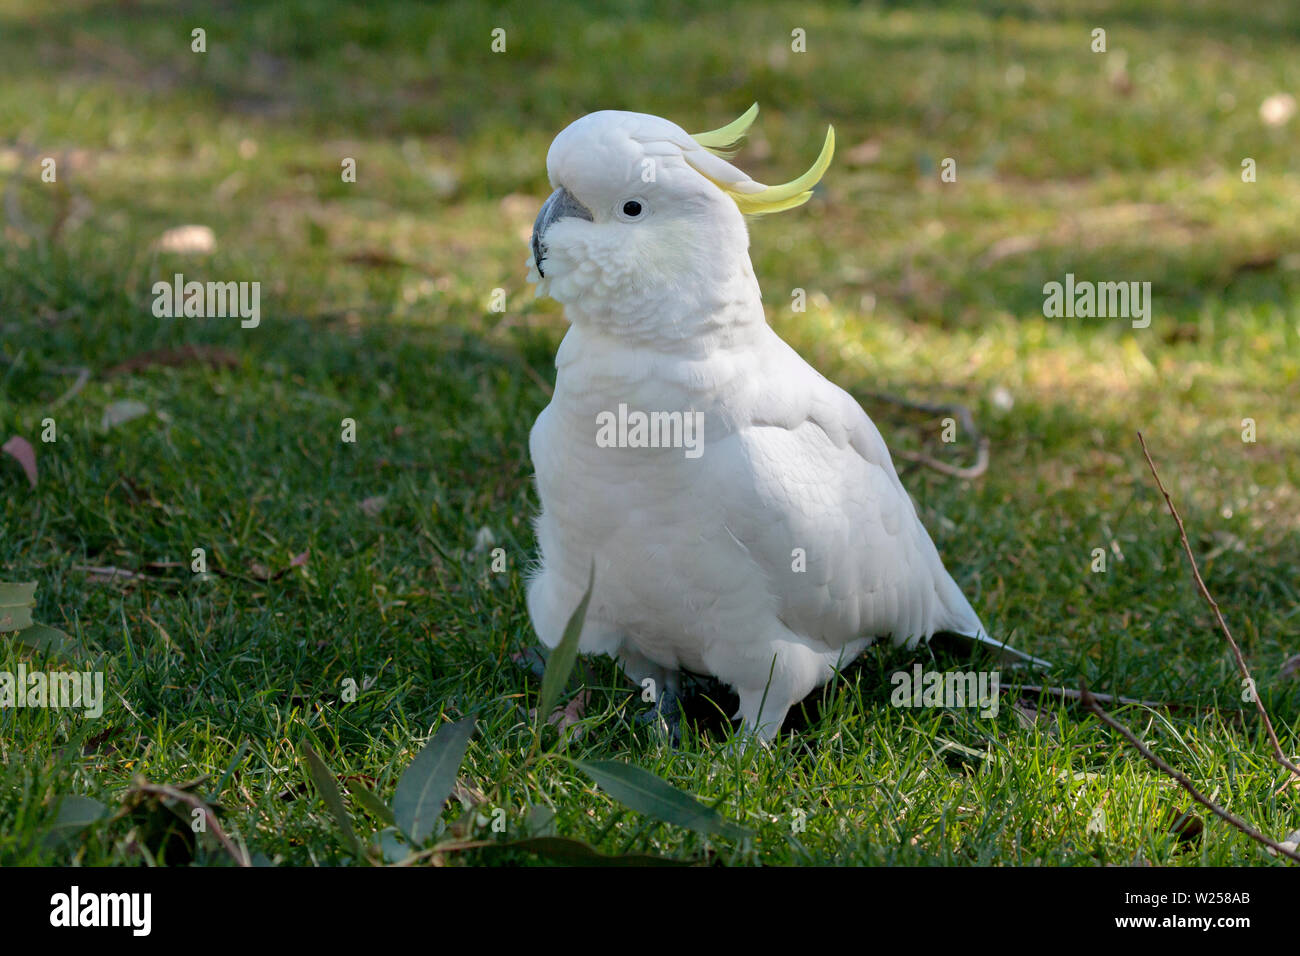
pixel 47 640
pixel 328 787
pixel 392 848
pixel 643 792
pixel 540 821
pixel 427 782
pixel 565 655
pixel 371 801
pixel 77 811
pixel 74 815
pixel 16 602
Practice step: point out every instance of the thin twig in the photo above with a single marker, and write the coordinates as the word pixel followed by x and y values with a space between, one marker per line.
pixel 967 423
pixel 1223 625
pixel 542 383
pixel 83 376
pixel 190 800
pixel 974 471
pixel 1065 693
pixel 82 373
pixel 1092 704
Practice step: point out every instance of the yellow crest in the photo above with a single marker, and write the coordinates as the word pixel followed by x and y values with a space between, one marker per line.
pixel 753 198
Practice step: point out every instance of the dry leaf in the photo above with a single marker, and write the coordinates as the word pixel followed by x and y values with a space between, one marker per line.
pixel 562 718
pixel 188 240
pixel 260 572
pixel 21 450
pixel 864 154
pixel 469 795
pixel 1292 843
pixel 572 713
pixel 211 355
pixel 1029 717
pixel 119 413
pixel 1187 827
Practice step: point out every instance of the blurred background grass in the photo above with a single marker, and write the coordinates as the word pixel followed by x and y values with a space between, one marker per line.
pixel 1123 165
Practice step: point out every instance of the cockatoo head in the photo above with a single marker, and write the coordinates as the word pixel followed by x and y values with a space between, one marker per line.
pixel 647 217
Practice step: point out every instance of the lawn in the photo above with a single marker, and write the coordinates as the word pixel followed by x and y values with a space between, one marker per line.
pixel 349 606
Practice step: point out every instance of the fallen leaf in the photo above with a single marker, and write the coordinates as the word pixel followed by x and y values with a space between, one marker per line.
pixel 16 601
pixel 119 413
pixel 1030 717
pixel 468 795
pixel 21 450
pixel 210 355
pixel 565 717
pixel 92 744
pixel 1187 827
pixel 188 240
pixel 1292 843
pixel 260 572
pixel 864 154
pixel 44 639
pixel 428 781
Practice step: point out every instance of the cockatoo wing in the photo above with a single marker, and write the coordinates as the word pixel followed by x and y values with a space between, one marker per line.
pixel 818 505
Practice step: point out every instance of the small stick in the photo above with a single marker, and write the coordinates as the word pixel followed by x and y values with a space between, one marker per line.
pixel 195 803
pixel 1214 605
pixel 974 471
pixel 544 385
pixel 1092 704
pixel 1065 693
pixel 83 376
pixel 967 423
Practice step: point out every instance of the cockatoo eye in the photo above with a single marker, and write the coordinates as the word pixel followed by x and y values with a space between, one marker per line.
pixel 631 210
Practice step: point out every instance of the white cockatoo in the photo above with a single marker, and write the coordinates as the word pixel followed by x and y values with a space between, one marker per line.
pixel 742 513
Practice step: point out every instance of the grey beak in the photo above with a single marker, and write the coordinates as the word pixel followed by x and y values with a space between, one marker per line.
pixel 560 205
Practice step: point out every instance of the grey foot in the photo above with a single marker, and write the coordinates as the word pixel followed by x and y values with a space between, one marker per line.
pixel 531 660
pixel 665 715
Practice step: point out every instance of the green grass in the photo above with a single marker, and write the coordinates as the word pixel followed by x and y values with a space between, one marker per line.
pixel 375 304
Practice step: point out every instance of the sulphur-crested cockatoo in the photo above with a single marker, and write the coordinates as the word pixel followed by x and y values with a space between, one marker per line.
pixel 742 513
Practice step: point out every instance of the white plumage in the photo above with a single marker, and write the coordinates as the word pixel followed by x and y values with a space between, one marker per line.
pixel 698 558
